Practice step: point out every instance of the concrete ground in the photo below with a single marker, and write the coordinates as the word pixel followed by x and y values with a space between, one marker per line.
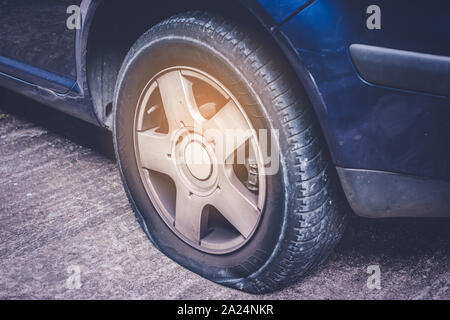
pixel 67 231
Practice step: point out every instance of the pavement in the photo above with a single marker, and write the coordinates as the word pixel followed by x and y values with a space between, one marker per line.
pixel 67 230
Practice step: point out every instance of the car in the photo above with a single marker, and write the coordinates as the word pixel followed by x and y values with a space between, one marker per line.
pixel 247 132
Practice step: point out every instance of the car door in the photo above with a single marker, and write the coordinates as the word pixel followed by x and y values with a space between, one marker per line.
pixel 36 46
pixel 386 108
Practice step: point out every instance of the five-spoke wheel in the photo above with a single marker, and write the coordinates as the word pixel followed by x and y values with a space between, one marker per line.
pixel 190 134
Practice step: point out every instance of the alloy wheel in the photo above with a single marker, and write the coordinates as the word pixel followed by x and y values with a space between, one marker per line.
pixel 199 159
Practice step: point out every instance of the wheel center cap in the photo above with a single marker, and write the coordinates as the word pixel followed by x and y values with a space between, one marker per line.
pixel 198 160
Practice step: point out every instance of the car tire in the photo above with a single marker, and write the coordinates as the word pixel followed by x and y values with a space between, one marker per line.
pixel 304 211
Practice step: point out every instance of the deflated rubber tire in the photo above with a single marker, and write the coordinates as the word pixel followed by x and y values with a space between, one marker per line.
pixel 305 211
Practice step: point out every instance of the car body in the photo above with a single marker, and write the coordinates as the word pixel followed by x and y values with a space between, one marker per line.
pixel 380 134
pixel 380 89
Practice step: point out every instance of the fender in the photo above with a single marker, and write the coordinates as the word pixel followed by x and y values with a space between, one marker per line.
pixel 269 14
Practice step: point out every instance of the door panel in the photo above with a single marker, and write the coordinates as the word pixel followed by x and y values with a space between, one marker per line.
pixel 35 44
pixel 403 128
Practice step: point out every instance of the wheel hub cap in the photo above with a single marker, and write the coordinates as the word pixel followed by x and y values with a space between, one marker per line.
pixel 198 161
pixel 195 162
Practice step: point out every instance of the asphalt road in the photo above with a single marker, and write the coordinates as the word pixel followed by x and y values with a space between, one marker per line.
pixel 67 231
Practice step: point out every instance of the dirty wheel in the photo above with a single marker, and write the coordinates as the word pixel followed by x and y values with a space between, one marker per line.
pixel 221 155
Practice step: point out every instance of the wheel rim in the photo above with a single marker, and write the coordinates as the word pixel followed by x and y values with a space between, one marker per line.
pixel 199 160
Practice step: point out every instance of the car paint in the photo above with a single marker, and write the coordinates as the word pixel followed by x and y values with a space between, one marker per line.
pixel 369 126
pixel 280 10
pixel 45 51
pixel 76 101
pixel 366 126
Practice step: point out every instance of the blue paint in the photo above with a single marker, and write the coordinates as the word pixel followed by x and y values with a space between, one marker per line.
pixel 281 9
pixel 368 126
pixel 42 74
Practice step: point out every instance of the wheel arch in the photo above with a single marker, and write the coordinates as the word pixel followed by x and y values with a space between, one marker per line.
pixel 104 55
pixel 110 29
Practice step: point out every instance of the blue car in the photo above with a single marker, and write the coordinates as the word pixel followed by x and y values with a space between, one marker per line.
pixel 246 132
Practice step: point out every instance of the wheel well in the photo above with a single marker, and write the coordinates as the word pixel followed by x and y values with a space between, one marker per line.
pixel 115 27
